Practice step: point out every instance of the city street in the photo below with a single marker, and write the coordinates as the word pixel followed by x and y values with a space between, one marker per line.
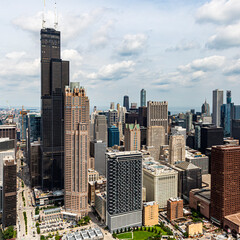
pixel 24 192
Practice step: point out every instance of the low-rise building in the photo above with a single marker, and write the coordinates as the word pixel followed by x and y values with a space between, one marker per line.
pixel 150 213
pixel 94 186
pixel 161 182
pixel 231 223
pixel 93 233
pixel 45 198
pixel 200 199
pixel 194 229
pixel 174 208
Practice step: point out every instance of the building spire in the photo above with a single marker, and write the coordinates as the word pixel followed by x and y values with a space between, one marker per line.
pixel 56 17
pixel 43 16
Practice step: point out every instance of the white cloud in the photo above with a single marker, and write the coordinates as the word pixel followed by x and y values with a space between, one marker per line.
pixel 184 46
pixel 132 44
pixel 101 37
pixel 72 55
pixel 219 12
pixel 14 64
pixel 15 55
pixel 109 72
pixel 71 26
pixel 226 37
pixel 204 64
pixel 233 69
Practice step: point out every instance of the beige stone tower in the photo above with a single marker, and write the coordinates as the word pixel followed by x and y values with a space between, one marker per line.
pixel 176 148
pixel 76 154
pixel 132 137
pixel 155 139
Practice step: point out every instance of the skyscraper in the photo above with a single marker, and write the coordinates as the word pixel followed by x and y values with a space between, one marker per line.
pixel 132 137
pixel 100 128
pixel 206 109
pixel 9 192
pixel 227 114
pixel 217 103
pixel 211 136
pixel 155 139
pixel 176 149
pixel 126 102
pixel 157 115
pixel 54 78
pixel 143 98
pixel 225 184
pixel 77 145
pixel 124 190
pixel 189 120
pixel 113 136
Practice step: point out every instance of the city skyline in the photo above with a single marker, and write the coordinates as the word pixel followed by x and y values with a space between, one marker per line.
pixel 172 49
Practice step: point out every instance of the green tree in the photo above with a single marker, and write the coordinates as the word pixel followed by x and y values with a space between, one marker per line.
pixel 8 233
pixel 87 219
pixel 42 237
pixel 38 230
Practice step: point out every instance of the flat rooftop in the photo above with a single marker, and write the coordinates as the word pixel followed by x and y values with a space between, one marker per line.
pixel 203 193
pixel 7 126
pixel 156 168
pixel 235 218
pixel 117 154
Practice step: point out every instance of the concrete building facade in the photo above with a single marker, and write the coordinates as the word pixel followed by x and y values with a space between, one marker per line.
pixel 155 139
pixel 157 115
pixel 100 128
pixel 161 182
pixel 217 103
pixel 176 149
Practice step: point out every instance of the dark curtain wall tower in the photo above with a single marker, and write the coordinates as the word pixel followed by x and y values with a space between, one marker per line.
pixel 54 78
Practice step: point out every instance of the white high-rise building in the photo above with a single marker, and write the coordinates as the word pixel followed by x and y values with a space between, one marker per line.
pixel 217 103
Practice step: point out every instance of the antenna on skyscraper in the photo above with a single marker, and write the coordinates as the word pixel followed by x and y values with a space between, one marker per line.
pixel 56 17
pixel 43 16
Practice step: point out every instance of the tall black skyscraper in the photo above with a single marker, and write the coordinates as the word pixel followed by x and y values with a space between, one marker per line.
pixel 126 102
pixel 54 78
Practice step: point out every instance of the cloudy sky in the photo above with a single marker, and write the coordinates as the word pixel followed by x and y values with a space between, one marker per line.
pixel 178 50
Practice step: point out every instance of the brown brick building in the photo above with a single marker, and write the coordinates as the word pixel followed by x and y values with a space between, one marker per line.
pixel 225 182
pixel 9 192
pixel 8 131
pixel 77 144
pixel 174 208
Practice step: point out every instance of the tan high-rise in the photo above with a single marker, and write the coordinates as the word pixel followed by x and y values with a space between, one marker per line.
pixel 150 214
pixel 176 149
pixel 157 115
pixel 155 139
pixel 132 137
pixel 76 135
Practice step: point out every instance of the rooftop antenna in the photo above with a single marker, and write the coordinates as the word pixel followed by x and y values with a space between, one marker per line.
pixel 56 17
pixel 43 16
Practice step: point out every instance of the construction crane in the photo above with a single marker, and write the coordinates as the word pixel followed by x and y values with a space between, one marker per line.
pixel 23 113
